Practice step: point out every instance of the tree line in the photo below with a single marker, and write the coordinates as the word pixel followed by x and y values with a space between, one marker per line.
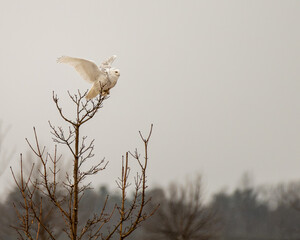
pixel 247 213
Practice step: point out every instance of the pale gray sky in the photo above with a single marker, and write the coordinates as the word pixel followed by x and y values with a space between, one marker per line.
pixel 219 80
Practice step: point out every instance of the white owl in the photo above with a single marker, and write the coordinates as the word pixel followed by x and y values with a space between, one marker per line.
pixel 103 78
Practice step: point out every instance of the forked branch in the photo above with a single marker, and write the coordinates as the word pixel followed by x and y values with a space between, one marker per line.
pixel 47 192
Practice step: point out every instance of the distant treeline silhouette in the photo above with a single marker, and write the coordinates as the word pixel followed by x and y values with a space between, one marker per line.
pixel 249 213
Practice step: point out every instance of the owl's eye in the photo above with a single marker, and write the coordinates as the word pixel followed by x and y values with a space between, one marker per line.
pixel 116 71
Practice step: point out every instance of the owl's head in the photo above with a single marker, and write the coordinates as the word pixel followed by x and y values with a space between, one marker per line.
pixel 114 72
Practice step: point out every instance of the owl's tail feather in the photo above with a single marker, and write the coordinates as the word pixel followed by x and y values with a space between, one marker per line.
pixel 92 93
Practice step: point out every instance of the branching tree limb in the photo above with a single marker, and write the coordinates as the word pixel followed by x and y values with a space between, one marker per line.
pixel 47 194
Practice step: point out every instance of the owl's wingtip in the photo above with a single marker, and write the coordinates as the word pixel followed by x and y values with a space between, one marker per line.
pixel 59 59
pixel 62 59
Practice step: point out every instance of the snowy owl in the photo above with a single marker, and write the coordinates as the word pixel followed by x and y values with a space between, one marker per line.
pixel 103 78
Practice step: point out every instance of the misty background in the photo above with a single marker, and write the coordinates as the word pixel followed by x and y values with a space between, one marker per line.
pixel 219 81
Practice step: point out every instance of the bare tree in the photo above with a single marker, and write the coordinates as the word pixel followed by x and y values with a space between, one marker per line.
pixel 4 154
pixel 182 215
pixel 63 196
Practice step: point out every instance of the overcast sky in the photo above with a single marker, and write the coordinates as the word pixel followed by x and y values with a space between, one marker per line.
pixel 220 81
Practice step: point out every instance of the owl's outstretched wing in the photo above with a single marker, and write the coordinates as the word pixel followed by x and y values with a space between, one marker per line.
pixel 107 62
pixel 87 69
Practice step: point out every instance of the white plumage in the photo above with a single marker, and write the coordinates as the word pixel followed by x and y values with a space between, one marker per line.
pixel 103 78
